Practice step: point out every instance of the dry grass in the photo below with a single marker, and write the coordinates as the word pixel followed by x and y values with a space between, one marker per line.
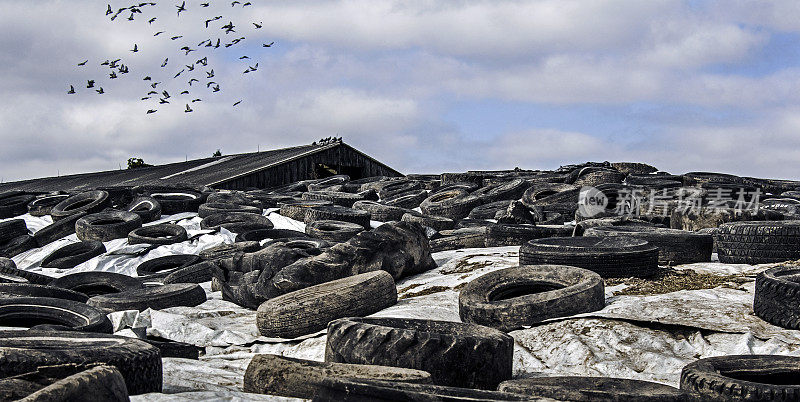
pixel 465 266
pixel 423 292
pixel 670 280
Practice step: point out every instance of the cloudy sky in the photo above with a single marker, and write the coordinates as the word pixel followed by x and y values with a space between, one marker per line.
pixel 425 86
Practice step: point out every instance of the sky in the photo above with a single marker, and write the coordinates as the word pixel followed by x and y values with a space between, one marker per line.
pixel 424 86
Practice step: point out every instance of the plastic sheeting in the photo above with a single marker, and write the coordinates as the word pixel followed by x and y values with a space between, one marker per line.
pixel 648 337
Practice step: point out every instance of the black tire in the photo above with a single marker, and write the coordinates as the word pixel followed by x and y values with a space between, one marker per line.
pixel 73 254
pixel 499 234
pixel 510 190
pixel 675 246
pixel 159 234
pixel 743 378
pixel 298 378
pixel 170 348
pixel 17 245
pixel 409 199
pixel 489 210
pixel 454 204
pixel 42 205
pixel 107 225
pixel 388 189
pixel 156 298
pixel 380 212
pixel 7 266
pixel 590 389
pixel 550 193
pixel 512 298
pixel 473 237
pixel 598 177
pixel 263 234
pixel 15 205
pixel 336 197
pixel 160 267
pixel 234 197
pixel 456 354
pixel 634 167
pixel 31 311
pixel 177 201
pixel 138 362
pixel 608 256
pixel 68 382
pixel 12 279
pixel 88 202
pixel 33 290
pixel 209 209
pixel 268 199
pixel 333 231
pixel 310 310
pixel 758 242
pixel 776 298
pixel 197 273
pixel 236 222
pixel 12 228
pixel 297 209
pixel 146 207
pixel 338 213
pixel 57 230
pixel 437 223
pixel 97 283
pixel 229 250
pixel 335 389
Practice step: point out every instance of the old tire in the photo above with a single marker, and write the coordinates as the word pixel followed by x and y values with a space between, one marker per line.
pixel 380 212
pixel 776 297
pixel 236 222
pixel 107 225
pixel 17 245
pixel 263 234
pixel 97 283
pixel 675 246
pixel 156 298
pixel 298 378
pixel 608 256
pixel 69 382
pixel 296 209
pixel 333 231
pixel 7 266
pixel 146 207
pixel 758 242
pixel 437 223
pixel 589 389
pixel 196 273
pixel 88 202
pixel 15 205
pixel 500 234
pixel 73 254
pixel 205 210
pixel 31 311
pixel 42 205
pixel 333 389
pixel 139 363
pixel 12 228
pixel 160 267
pixel 456 354
pixel 512 298
pixel 310 310
pixel 743 378
pixel 338 213
pixel 57 230
pixel 160 234
pixel 34 290
pixel 454 204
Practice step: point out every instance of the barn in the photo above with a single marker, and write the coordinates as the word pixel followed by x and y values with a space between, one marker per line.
pixel 263 169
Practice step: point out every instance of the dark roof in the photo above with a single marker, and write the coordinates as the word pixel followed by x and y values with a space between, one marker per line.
pixel 198 172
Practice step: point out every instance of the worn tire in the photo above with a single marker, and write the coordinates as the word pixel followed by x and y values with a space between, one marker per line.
pixel 776 296
pixel 160 267
pixel 335 389
pixel 34 290
pixel 7 266
pixel 42 205
pixel 408 199
pixel 510 190
pixel 512 298
pixel 209 209
pixel 310 310
pixel 333 231
pixel 146 207
pixel 160 234
pixel 97 283
pixel 156 298
pixel 31 311
pixel 455 204
pixel 743 378
pixel 473 237
pixel 456 354
pixel 107 225
pixel 336 197
pixel 178 200
pixel 170 348
pixel 15 205
pixel 437 223
pixel 139 363
pixel 608 256
pixel 297 209
pixel 590 389
pixel 380 212
pixel 57 230
pixel 298 378
pixel 197 273
pixel 12 228
pixel 675 246
pixel 69 382
pixel 500 234
pixel 338 213
pixel 88 202
pixel 757 242
pixel 263 234
pixel 17 245
pixel 73 254
pixel 236 222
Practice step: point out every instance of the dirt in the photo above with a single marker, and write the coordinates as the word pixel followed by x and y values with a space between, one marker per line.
pixel 670 280
pixel 465 266
pixel 423 292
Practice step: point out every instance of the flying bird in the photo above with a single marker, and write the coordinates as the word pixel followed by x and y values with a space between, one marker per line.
pixel 244 57
pixel 153 85
pixel 100 91
pixel 235 3
pixel 135 48
pixel 237 103
pixel 131 17
pixel 109 11
pixel 193 80
pixel 166 94
pixel 188 109
pixel 83 63
pixel 112 75
pixel 179 73
pixel 158 33
pixel 151 20
pixel 247 4
pixel 210 83
pixel 146 78
pixel 184 92
pixel 258 26
pixel 204 4
pixel 181 8
pixel 153 93
pixel 196 100
pixel 190 67
pixel 203 61
pixel 216 88
pixel 266 45
pixel 90 84
pixel 146 98
pixel 176 37
pixel 71 90
pixel 210 74
pixel 152 111
pixel 164 64
pixel 163 101
pixel 105 63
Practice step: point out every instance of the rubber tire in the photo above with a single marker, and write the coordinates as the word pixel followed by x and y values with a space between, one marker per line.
pixel 42 205
pixel 333 231
pixel 338 213
pixel 156 298
pixel 94 226
pixel 310 310
pixel 380 212
pixel 148 208
pixel 138 362
pixel 178 200
pixel 542 292
pixel 336 197
pixel 69 382
pixel 12 228
pixel 334 389
pixel 755 242
pixel 706 379
pixel 57 230
pixel 97 283
pixel 509 190
pixel 500 234
pixel 297 209
pixel 675 247
pixel 455 204
pixel 159 234
pixel 262 234
pixel 17 245
pixel 298 378
pixel 12 279
pixel 236 222
pixel 456 354
pixel 160 267
pixel 170 348
pixel 437 223
pixel 73 254
pixel 590 389
pixel 610 257
pixel 205 210
pixel 34 290
pixel 408 199
pixel 70 313
pixel 88 202
pixel 197 273
pixel 776 298
pixel 488 210
pixel 15 205
pixel 474 237
pixel 7 266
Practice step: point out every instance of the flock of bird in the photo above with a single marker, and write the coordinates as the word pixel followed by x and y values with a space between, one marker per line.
pixel 194 78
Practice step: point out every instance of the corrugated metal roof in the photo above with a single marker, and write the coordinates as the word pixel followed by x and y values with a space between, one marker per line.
pixel 198 172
